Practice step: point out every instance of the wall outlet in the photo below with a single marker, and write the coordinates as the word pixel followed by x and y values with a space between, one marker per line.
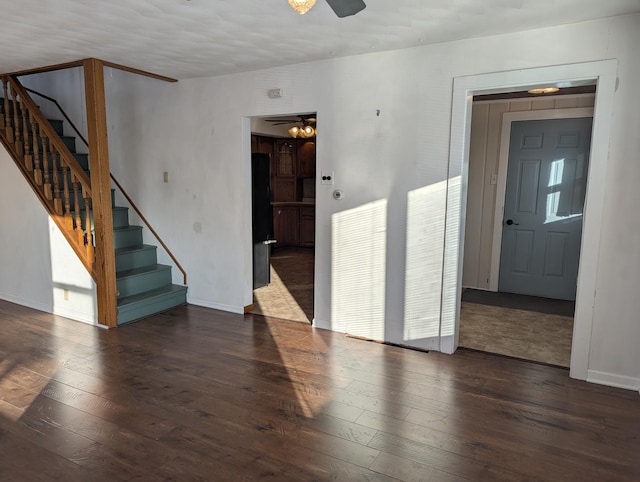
pixel 326 177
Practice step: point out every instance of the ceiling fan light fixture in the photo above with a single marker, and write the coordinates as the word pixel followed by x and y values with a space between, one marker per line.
pixel 544 90
pixel 294 131
pixel 306 132
pixel 302 6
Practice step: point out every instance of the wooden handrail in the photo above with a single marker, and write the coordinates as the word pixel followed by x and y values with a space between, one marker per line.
pixel 50 99
pixel 153 231
pixel 50 168
pixel 80 63
pixel 119 186
pixel 51 134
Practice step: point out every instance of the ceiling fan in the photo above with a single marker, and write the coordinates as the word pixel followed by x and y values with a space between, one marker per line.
pixel 342 8
pixel 304 119
pixel 303 126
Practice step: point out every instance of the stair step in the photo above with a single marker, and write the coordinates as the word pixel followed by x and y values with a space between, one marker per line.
pixel 81 199
pixel 132 308
pixel 128 237
pixel 132 258
pixel 138 280
pixel 120 217
pixel 57 125
pixel 69 141
pixel 83 160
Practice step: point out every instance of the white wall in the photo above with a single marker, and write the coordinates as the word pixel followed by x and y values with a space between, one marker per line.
pixel 67 87
pixel 484 152
pixel 197 131
pixel 38 265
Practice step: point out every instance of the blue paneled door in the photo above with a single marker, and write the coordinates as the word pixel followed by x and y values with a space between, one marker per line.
pixel 544 200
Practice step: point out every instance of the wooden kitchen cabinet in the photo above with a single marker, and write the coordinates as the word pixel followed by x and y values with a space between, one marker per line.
pixel 262 145
pixel 307 225
pixel 286 225
pixel 284 189
pixel 306 154
pixel 285 158
pixel 294 225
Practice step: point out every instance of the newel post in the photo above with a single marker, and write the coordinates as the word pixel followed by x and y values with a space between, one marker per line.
pixel 105 266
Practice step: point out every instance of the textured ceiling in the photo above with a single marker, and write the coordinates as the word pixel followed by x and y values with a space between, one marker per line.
pixel 182 38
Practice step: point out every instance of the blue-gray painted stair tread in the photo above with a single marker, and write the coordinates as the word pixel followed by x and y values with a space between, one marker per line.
pixel 135 257
pixel 136 307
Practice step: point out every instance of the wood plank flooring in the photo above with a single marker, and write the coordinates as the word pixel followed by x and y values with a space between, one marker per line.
pixel 198 394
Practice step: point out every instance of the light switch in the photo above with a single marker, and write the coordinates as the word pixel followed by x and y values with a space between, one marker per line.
pixel 165 176
pixel 326 177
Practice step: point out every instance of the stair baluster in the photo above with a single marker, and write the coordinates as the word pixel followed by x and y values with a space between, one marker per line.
pixel 76 210
pixel 57 203
pixel 67 201
pixel 7 112
pixel 47 177
pixel 5 121
pixel 36 143
pixel 16 125
pixel 29 129
pixel 25 131
pixel 37 171
pixel 87 223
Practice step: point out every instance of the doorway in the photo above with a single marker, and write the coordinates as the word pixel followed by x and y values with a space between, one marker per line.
pixel 527 181
pixel 288 145
pixel 603 74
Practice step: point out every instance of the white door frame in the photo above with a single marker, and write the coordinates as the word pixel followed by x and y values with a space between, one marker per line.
pixel 603 73
pixel 503 161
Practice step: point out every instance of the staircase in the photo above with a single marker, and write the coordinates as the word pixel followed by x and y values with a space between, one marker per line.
pixel 144 287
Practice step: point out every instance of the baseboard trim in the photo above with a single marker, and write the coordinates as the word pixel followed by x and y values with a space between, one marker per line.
pixel 82 317
pixel 613 380
pixel 249 308
pixel 89 319
pixel 28 303
pixel 216 306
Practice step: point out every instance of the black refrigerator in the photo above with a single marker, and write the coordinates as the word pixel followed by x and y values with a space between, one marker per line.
pixel 262 219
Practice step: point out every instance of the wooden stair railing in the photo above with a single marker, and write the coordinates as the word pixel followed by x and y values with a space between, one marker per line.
pixel 117 184
pixel 50 168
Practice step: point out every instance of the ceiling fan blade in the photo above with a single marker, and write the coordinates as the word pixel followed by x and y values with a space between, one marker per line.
pixel 282 121
pixel 344 8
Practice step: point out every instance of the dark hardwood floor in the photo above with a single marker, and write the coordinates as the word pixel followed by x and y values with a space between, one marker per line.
pixel 198 394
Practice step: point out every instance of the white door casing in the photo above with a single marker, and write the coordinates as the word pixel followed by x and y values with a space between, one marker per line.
pixel 603 73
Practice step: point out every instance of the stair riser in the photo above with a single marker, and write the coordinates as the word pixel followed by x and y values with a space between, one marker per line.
pixel 70 142
pixel 57 125
pixel 127 238
pixel 136 259
pixel 82 159
pixel 142 310
pixel 80 198
pixel 120 218
pixel 133 285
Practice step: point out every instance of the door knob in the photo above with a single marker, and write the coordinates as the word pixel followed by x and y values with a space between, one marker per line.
pixel 510 222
